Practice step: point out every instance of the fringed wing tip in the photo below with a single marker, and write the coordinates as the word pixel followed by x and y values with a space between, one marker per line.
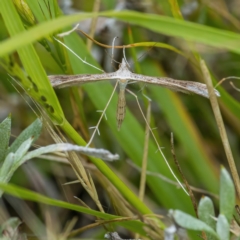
pixel 217 93
pixel 201 90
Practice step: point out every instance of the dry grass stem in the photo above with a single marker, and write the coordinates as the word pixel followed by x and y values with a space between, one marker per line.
pixel 221 127
pixel 145 155
pixel 194 202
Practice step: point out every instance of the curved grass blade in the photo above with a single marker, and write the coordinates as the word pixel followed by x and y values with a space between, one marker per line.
pixel 22 193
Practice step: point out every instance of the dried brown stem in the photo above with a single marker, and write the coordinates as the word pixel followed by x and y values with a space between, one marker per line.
pixel 221 127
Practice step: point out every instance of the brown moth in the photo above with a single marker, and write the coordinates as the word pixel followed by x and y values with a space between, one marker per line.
pixel 124 75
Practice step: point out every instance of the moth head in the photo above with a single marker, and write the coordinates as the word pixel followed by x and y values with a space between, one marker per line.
pixel 124 64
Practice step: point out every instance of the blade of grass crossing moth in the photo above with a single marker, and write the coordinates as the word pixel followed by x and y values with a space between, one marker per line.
pixel 186 30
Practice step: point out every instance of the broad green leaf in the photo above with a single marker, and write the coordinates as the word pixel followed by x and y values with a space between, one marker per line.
pixel 223 227
pixel 32 131
pixel 186 221
pixel 135 226
pixel 5 131
pixel 227 195
pixel 22 150
pixel 11 230
pixel 12 223
pixel 6 167
pixel 206 213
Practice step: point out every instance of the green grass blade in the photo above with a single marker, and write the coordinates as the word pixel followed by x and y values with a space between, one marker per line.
pixel 22 193
pixel 173 27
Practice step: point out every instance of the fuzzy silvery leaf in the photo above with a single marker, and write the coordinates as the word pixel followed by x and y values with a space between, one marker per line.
pixel 32 131
pixel 227 195
pixel 62 147
pixel 10 230
pixel 13 161
pixel 7 164
pixel 5 130
pixel 223 227
pixel 206 213
pixel 189 222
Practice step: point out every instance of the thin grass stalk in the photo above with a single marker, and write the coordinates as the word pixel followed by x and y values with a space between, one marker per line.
pixel 96 8
pixel 145 155
pixel 220 124
pixel 145 158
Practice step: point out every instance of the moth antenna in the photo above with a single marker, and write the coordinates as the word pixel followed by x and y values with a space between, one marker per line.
pixel 69 49
pixel 124 56
pixel 113 47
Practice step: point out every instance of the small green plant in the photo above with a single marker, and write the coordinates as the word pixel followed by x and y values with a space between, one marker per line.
pixel 9 230
pixel 14 156
pixel 212 226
